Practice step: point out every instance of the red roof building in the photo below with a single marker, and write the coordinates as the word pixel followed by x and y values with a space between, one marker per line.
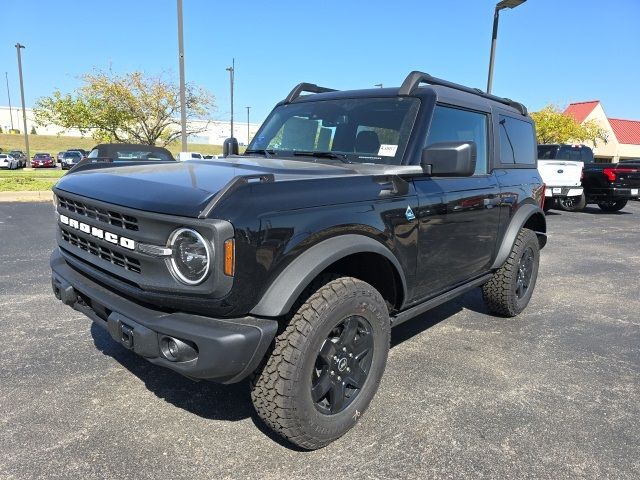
pixel 623 135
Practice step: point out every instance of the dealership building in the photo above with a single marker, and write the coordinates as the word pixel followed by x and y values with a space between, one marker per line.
pixel 214 132
pixel 623 140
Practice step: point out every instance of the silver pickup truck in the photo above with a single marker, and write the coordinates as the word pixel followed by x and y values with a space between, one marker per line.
pixel 560 167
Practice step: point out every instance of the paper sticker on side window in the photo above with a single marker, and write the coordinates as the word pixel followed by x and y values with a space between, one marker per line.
pixel 387 150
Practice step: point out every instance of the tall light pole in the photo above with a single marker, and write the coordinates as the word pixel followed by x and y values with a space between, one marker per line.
pixel 232 70
pixel 378 85
pixel 248 108
pixel 494 37
pixel 24 111
pixel 183 100
pixel 6 76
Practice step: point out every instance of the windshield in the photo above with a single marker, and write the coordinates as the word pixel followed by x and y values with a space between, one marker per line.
pixel 364 130
pixel 72 155
pixel 41 155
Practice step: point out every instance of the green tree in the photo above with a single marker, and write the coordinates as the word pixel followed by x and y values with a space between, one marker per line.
pixel 33 130
pixel 125 108
pixel 553 126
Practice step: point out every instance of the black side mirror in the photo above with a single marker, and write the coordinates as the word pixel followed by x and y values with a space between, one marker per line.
pixel 450 159
pixel 230 147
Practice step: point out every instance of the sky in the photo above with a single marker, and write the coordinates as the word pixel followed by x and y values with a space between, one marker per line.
pixel 548 51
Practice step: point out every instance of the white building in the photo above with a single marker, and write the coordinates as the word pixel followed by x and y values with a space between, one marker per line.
pixel 623 135
pixel 216 131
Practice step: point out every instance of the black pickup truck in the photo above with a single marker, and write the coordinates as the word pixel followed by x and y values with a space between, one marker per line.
pixel 349 213
pixel 609 185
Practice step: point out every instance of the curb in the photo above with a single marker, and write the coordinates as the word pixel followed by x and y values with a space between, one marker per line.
pixel 32 196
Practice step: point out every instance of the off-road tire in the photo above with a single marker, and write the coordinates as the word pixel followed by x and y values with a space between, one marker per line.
pixel 281 387
pixel 499 293
pixel 612 206
pixel 572 204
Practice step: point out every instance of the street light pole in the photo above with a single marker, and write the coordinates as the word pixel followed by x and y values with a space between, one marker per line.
pixel 494 36
pixel 232 70
pixel 378 85
pixel 183 100
pixel 248 108
pixel 6 76
pixel 24 111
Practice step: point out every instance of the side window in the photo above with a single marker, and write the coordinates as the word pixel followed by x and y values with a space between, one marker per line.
pixel 587 155
pixel 517 141
pixel 456 125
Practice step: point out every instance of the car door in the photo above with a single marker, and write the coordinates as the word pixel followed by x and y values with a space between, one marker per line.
pixel 458 243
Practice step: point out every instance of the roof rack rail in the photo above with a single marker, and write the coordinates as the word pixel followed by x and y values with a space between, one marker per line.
pixel 415 78
pixel 305 87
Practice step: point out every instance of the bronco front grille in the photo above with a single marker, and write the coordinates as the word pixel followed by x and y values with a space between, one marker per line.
pixel 107 216
pixel 107 254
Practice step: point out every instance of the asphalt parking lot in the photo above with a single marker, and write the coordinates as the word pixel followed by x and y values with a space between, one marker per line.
pixel 554 393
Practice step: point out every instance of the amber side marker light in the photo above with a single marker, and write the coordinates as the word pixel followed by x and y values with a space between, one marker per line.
pixel 229 257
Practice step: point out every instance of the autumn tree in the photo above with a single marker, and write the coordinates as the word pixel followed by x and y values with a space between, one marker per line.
pixel 553 126
pixel 131 107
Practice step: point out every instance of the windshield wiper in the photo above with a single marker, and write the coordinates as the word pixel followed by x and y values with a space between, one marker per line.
pixel 266 153
pixel 339 156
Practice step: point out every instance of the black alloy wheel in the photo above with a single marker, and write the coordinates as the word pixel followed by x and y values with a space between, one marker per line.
pixel 525 270
pixel 572 204
pixel 342 365
pixel 612 205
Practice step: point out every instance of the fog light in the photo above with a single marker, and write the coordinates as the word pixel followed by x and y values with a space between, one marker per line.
pixel 172 347
pixel 176 350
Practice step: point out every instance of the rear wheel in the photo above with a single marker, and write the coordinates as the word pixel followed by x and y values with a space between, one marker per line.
pixel 612 205
pixel 326 365
pixel 572 204
pixel 509 291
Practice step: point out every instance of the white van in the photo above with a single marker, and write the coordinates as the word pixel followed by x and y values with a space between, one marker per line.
pixel 183 156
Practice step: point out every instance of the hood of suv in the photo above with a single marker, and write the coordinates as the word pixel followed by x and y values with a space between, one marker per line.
pixel 184 188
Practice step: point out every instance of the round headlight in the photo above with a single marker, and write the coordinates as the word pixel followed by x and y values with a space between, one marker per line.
pixel 190 257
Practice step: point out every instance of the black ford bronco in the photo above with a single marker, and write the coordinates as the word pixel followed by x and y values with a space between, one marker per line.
pixel 349 213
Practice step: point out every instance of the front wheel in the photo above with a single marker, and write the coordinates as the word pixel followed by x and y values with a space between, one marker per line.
pixel 509 291
pixel 326 365
pixel 572 204
pixel 612 205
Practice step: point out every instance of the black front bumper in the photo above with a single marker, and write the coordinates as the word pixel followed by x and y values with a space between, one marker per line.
pixel 227 349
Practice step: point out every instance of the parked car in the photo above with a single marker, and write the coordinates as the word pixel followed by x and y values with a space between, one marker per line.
pixel 20 157
pixel 8 162
pixel 183 156
pixel 349 213
pixel 560 167
pixel 609 185
pixel 107 153
pixel 40 160
pixel 59 156
pixel 70 159
pixel 81 150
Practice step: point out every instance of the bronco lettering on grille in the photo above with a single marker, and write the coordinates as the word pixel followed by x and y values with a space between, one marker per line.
pixel 98 233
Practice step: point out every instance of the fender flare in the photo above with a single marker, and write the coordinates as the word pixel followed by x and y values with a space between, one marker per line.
pixel 290 283
pixel 522 215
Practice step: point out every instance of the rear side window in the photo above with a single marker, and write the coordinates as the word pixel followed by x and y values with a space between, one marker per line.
pixel 587 155
pixel 517 141
pixel 456 125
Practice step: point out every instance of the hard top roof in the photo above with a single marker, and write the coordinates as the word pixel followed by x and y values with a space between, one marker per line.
pixel 410 87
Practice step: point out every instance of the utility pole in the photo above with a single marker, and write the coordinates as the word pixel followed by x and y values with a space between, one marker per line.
pixel 183 100
pixel 6 76
pixel 248 137
pixel 232 70
pixel 24 112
